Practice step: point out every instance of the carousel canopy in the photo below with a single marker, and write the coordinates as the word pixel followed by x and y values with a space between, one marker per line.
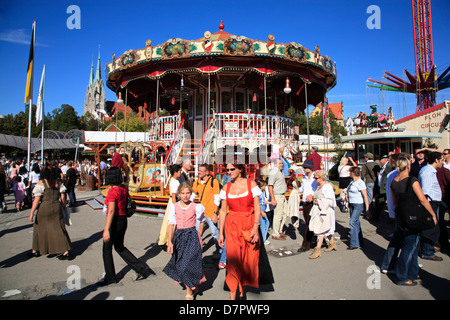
pixel 245 60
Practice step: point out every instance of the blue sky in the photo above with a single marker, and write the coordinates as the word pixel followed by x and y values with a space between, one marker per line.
pixel 338 27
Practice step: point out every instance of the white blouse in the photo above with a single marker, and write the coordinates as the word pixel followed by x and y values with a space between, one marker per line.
pixel 39 189
pixel 173 186
pixel 199 212
pixel 256 192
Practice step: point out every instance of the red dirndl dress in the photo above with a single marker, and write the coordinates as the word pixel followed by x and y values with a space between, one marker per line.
pixel 242 255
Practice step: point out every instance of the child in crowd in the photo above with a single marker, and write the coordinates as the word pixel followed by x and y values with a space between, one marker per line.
pixel 185 266
pixel 19 189
pixel 265 207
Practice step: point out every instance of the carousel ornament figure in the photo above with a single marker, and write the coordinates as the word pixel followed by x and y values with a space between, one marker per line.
pixel 390 120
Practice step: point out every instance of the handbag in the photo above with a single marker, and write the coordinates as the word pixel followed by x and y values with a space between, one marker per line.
pixel 410 212
pixel 131 206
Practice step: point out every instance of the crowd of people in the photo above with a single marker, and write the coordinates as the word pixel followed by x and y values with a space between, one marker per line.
pixel 385 182
pixel 244 215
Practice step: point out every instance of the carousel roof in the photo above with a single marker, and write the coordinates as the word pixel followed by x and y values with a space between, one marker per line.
pixel 217 52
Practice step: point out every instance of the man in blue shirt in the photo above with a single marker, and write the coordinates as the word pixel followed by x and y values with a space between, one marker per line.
pixel 430 186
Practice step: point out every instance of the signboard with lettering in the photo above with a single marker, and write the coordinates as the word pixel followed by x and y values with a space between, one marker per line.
pixel 231 125
pixel 168 126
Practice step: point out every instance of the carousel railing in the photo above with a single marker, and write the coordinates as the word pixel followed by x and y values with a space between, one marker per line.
pixel 174 151
pixel 204 154
pixel 167 126
pixel 254 126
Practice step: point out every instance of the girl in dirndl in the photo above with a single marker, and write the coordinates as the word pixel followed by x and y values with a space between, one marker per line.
pixel 185 245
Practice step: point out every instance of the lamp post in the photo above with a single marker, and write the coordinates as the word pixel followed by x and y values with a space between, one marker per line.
pixel 119 101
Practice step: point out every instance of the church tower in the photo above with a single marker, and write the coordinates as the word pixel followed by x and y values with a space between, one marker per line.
pixel 94 102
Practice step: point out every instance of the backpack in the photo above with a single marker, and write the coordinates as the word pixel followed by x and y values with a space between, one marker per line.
pixel 131 206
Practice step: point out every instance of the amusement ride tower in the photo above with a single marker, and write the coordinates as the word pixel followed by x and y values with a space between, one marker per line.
pixel 425 83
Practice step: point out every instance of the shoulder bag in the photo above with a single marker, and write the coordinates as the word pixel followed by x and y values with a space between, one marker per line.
pixel 131 206
pixel 411 213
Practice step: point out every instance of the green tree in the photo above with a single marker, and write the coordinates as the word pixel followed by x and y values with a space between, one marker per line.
pixel 64 119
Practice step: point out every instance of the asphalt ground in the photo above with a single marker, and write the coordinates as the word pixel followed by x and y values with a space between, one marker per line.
pixel 338 275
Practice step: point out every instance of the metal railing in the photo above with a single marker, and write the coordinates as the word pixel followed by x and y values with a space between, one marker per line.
pixel 165 129
pixel 174 151
pixel 253 126
pixel 204 154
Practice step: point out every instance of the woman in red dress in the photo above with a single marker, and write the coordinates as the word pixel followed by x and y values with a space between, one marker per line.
pixel 242 233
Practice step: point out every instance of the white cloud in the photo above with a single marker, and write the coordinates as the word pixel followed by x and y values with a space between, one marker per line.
pixel 21 36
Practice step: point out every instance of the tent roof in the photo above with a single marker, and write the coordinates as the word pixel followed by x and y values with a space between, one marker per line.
pixel 22 143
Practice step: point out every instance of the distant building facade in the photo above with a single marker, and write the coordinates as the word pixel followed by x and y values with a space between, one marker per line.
pixel 94 102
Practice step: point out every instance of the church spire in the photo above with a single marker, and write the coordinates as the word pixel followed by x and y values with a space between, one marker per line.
pixel 98 76
pixel 91 76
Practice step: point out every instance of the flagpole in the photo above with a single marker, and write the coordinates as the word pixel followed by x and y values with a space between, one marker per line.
pixel 30 106
pixel 42 140
pixel 42 115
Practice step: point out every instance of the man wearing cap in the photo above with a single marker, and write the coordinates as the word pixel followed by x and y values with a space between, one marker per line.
pixel 308 187
pixel 315 157
pixel 116 160
pixel 369 175
pixel 380 198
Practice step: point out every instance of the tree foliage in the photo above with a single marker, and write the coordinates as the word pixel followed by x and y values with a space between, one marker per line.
pixel 315 123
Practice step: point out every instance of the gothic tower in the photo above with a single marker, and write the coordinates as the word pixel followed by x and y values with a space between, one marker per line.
pixel 94 102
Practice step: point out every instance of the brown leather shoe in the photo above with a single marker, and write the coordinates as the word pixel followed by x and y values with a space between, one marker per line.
pixel 278 238
pixel 435 258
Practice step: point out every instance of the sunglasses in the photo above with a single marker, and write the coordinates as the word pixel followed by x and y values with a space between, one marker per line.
pixel 316 178
pixel 445 154
pixel 232 169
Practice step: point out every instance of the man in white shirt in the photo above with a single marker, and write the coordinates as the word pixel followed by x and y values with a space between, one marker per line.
pixel 308 187
pixel 64 169
pixel 430 186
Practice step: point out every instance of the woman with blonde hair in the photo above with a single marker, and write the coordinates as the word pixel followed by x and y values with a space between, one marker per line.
pixel 185 265
pixel 322 221
pixel 407 266
pixel 344 172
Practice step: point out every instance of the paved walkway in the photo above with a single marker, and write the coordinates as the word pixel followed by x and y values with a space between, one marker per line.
pixel 343 274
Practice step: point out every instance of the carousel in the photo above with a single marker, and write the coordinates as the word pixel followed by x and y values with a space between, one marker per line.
pixel 219 97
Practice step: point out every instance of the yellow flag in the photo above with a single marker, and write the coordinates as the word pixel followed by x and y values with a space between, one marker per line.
pixel 30 70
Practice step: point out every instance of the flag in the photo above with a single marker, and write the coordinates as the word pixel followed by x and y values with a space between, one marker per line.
pixel 30 69
pixel 40 102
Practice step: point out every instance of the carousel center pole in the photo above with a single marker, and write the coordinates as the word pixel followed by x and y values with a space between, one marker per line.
pixel 265 113
pixel 125 125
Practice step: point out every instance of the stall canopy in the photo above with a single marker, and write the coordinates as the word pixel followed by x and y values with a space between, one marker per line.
pixel 49 144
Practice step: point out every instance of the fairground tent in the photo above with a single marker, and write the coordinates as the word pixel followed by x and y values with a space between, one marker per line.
pixel 49 144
